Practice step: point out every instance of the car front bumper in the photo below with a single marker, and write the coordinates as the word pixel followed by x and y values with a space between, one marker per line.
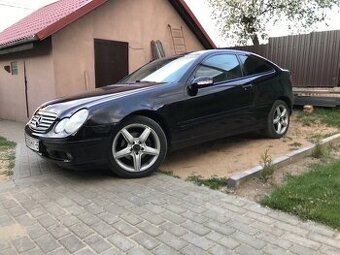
pixel 80 151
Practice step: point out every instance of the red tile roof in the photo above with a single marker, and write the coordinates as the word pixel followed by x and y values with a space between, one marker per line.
pixel 49 19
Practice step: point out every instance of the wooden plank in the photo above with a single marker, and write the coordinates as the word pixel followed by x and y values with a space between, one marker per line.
pixel 317 101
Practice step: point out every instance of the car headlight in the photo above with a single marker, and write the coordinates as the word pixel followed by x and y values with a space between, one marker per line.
pixel 60 127
pixel 72 124
pixel 76 121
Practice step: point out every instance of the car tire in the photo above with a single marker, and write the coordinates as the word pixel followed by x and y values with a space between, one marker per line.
pixel 138 147
pixel 278 120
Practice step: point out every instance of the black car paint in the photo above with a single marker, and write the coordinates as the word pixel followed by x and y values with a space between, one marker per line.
pixel 223 109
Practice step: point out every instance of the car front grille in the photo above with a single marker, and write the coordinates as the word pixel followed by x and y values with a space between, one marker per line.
pixel 42 121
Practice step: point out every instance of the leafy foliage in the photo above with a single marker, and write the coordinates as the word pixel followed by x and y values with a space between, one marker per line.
pixel 248 19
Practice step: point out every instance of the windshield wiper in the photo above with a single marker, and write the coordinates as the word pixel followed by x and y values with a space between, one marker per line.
pixel 141 81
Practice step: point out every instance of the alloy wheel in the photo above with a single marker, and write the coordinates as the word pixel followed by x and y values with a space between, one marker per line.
pixel 136 147
pixel 281 119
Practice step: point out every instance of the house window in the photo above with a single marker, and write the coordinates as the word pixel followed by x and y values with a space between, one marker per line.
pixel 14 68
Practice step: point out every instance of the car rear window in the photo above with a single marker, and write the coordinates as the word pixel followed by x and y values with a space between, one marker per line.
pixel 253 65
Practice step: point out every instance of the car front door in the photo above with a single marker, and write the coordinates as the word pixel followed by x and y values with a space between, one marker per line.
pixel 218 110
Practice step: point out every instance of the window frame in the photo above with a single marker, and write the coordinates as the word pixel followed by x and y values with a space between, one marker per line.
pixel 259 58
pixel 220 82
pixel 14 71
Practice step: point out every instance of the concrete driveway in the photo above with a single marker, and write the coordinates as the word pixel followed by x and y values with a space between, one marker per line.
pixel 47 210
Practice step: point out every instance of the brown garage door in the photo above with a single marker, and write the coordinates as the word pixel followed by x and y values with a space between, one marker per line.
pixel 111 61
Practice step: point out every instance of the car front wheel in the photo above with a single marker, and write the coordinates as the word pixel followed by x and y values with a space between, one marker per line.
pixel 278 120
pixel 139 146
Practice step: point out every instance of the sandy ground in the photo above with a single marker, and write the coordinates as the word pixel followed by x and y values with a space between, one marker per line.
pixel 234 154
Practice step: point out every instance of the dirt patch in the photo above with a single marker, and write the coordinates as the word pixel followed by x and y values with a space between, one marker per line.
pixel 228 156
pixel 255 189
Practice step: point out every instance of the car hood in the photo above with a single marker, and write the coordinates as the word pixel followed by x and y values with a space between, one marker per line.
pixel 68 105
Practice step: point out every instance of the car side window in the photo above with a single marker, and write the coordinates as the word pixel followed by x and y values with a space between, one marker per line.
pixel 254 65
pixel 221 68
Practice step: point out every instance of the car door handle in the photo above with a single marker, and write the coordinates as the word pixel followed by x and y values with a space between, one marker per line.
pixel 247 87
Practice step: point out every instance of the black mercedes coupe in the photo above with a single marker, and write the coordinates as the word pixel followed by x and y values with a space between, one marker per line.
pixel 167 104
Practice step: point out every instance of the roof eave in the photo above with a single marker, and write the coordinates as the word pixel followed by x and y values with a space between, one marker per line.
pixel 19 42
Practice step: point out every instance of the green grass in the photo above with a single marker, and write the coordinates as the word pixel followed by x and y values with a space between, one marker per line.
pixel 5 144
pixel 212 183
pixel 314 195
pixel 320 151
pixel 169 173
pixel 7 155
pixel 330 117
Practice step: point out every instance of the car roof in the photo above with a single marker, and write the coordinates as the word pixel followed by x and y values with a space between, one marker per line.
pixel 202 53
pixel 205 52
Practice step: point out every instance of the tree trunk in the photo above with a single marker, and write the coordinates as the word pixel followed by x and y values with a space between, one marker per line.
pixel 255 40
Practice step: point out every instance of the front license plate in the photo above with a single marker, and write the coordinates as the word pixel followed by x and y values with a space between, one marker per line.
pixel 32 143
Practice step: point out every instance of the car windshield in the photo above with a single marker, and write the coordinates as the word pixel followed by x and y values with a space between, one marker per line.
pixel 162 70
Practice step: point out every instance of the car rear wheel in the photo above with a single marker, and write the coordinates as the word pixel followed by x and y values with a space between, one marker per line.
pixel 139 146
pixel 278 120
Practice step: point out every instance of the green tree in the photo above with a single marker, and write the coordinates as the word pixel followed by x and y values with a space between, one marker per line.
pixel 248 19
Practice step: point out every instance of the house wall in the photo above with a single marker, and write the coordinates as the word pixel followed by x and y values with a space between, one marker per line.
pixel 12 93
pixel 40 77
pixel 68 66
pixel 40 84
pixel 136 22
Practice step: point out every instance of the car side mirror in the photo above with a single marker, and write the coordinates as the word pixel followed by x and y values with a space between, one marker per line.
pixel 198 83
pixel 203 82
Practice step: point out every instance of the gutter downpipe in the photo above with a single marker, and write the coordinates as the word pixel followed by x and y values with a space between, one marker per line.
pixel 26 90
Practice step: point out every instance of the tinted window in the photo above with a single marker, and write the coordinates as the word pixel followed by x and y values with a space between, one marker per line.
pixel 253 65
pixel 220 68
pixel 163 70
pixel 146 70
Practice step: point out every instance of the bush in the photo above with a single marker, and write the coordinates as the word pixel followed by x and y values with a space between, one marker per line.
pixel 268 168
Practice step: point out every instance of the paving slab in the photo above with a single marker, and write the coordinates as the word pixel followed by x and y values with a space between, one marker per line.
pixel 91 212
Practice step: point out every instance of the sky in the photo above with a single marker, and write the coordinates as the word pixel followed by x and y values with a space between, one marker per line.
pixel 13 10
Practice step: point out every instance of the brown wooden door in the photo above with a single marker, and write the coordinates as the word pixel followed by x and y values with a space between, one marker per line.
pixel 111 61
